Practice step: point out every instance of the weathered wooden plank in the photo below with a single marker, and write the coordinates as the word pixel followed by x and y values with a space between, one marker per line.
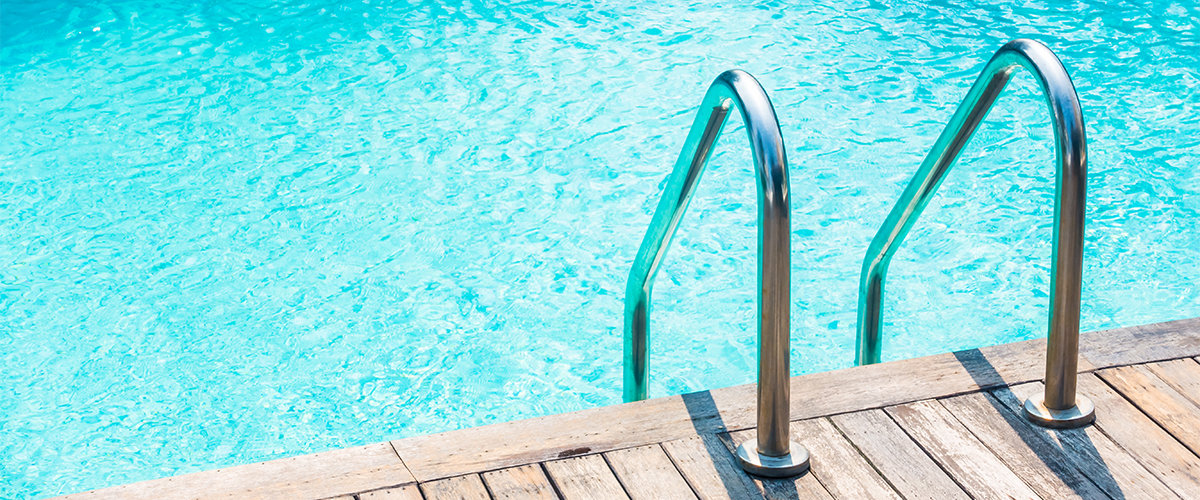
pixel 804 486
pixel 1156 398
pixel 468 487
pixel 835 462
pixel 1182 374
pixel 342 471
pixel 900 460
pixel 406 492
pixel 559 436
pixel 1095 454
pixel 1041 465
pixel 1141 344
pixel 681 417
pixel 1153 447
pixel 647 473
pixel 524 482
pixel 710 468
pixel 585 477
pixel 959 452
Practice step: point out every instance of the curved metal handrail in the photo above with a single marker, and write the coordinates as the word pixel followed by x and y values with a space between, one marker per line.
pixel 775 454
pixel 1059 407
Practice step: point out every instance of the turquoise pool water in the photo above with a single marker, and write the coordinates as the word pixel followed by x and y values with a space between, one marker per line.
pixel 237 231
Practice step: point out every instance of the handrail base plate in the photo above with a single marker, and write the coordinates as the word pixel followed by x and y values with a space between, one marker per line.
pixel 1083 413
pixel 792 464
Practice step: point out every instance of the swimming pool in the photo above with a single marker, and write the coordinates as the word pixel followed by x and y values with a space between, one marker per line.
pixel 238 231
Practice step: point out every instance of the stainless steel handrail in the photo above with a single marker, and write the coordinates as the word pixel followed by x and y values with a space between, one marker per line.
pixel 1060 406
pixel 775 454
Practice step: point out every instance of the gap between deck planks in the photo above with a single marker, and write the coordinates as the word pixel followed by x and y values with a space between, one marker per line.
pixel 681 423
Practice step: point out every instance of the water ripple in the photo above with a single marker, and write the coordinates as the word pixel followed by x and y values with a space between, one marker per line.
pixel 236 231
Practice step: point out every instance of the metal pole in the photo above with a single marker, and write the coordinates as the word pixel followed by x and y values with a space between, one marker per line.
pixel 773 454
pixel 1060 407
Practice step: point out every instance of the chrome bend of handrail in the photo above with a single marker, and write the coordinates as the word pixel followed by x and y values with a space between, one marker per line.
pixel 1060 406
pixel 775 455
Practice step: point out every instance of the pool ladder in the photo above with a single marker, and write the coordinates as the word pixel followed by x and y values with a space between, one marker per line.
pixel 1060 406
pixel 774 454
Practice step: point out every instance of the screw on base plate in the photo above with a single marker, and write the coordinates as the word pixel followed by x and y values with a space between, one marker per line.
pixel 1083 413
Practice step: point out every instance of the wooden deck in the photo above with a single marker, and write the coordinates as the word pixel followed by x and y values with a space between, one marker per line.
pixel 942 427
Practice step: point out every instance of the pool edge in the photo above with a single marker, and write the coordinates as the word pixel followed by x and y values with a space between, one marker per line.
pixel 497 446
